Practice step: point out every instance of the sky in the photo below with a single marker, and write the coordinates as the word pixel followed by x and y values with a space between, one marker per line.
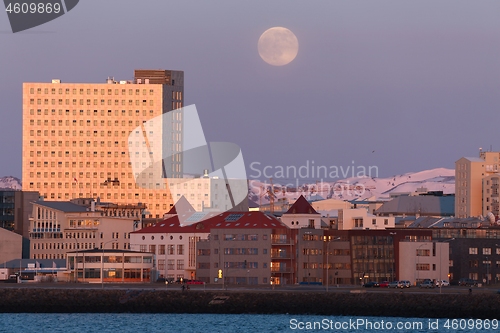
pixel 401 85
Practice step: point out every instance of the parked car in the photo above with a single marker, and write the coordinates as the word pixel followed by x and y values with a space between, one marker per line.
pixel 395 284
pixel 371 284
pixel 442 283
pixel 427 284
pixel 384 284
pixel 405 283
pixel 194 282
pixel 467 282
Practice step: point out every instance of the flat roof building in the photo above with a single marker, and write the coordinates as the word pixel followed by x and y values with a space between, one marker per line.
pixel 76 137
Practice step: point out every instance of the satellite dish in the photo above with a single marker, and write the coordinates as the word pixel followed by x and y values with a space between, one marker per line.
pixel 490 217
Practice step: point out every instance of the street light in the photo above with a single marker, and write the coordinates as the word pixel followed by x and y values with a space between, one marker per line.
pixel 102 262
pixel 327 262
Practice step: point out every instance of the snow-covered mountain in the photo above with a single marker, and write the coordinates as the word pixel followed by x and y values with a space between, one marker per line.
pixel 11 183
pixel 440 179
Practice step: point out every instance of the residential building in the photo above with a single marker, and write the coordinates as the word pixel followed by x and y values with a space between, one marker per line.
pixel 424 260
pixel 490 196
pixel 301 215
pixel 76 138
pixel 246 248
pixel 474 250
pixel 469 175
pixel 59 227
pixel 359 218
pixel 173 244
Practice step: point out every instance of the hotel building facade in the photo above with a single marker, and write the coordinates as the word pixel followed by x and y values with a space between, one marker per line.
pixel 76 138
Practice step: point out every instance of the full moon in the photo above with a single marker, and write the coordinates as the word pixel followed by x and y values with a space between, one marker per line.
pixel 278 46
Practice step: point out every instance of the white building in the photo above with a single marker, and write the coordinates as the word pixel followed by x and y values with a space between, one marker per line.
pixel 424 260
pixel 173 244
pixel 359 218
pixel 300 215
pixel 58 227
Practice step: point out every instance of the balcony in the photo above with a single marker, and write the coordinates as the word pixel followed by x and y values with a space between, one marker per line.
pixel 280 255
pixel 279 270
pixel 275 241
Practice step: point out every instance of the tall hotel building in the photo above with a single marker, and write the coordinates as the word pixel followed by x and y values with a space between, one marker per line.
pixel 76 137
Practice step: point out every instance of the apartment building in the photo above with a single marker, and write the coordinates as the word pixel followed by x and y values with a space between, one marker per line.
pixel 471 198
pixel 76 138
pixel 246 248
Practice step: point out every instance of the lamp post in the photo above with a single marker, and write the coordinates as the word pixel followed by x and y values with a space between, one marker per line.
pixel 327 262
pixel 440 264
pixel 102 262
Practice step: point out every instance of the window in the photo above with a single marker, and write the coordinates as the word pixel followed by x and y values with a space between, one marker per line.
pixel 423 252
pixel 358 223
pixel 180 249
pixel 487 250
pixel 170 249
pixel 180 264
pixel 423 267
pixel 472 250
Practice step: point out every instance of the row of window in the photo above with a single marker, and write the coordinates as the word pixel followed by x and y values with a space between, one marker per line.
pixel 74 101
pixel 76 246
pixel 170 249
pixel 316 265
pixel 67 91
pixel 88 91
pixel 241 237
pixel 486 250
pixel 92 113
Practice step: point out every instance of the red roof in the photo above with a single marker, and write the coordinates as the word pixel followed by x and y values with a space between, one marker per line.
pixel 301 206
pixel 233 220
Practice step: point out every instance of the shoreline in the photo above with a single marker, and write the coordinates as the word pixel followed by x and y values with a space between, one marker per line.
pixel 43 300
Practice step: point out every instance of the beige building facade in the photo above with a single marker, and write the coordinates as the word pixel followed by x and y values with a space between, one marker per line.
pixel 424 260
pixel 469 175
pixel 76 138
pixel 57 228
